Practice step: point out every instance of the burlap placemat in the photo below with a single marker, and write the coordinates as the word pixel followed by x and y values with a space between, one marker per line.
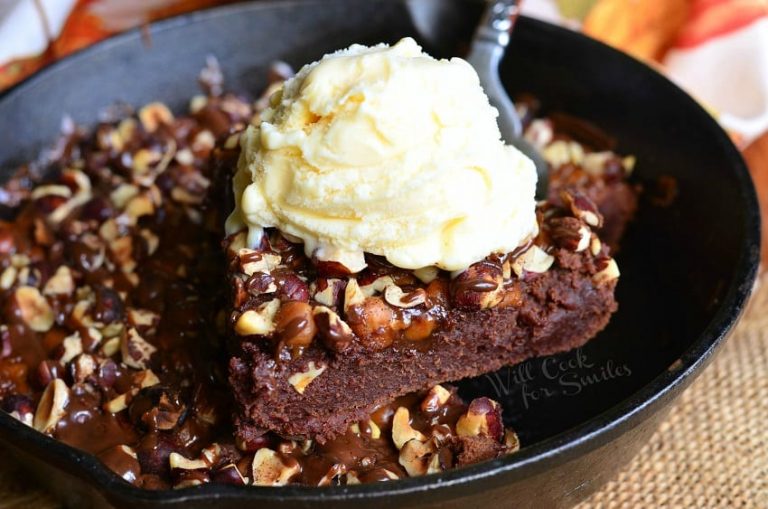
pixel 711 452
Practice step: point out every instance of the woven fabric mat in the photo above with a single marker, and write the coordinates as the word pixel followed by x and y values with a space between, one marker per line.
pixel 711 452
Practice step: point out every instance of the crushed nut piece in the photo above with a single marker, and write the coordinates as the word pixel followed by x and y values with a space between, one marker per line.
pixel 335 333
pixel 153 115
pixel 402 431
pixel 415 456
pixel 52 406
pixel 327 296
pixel 34 309
pixel 61 283
pixel 300 381
pixel 511 441
pixel 607 274
pixel 377 286
pixel 260 321
pixel 254 261
pixel 437 397
pixel 534 259
pixel 483 417
pixel 394 295
pixel 269 470
pixel 136 351
pixel 353 295
pixel 595 246
pixel 177 461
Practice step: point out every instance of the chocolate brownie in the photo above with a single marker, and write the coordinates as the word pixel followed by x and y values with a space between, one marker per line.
pixel 316 349
pixel 581 157
pixel 111 277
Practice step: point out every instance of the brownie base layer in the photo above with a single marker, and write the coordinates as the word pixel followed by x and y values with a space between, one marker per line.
pixel 559 310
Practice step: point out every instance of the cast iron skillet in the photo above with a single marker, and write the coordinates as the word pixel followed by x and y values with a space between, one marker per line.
pixel 687 269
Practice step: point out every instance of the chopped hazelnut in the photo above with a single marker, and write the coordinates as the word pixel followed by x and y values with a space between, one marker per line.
pixel 8 277
pixel 595 246
pixel 402 431
pixel 269 470
pixel 153 115
pixel 140 318
pixel 146 378
pixel 61 283
pixel 34 309
pixel 483 417
pixel 394 295
pixel 609 273
pixel 415 456
pixel 118 403
pixel 136 351
pixel 123 194
pixel 334 332
pixel 534 259
pixel 353 294
pixel 52 406
pixel 254 261
pixel 583 208
pixel 177 461
pixel 511 441
pixel 300 381
pixel 260 321
pixel 437 397
pixel 377 286
pixel 295 324
pixel 327 291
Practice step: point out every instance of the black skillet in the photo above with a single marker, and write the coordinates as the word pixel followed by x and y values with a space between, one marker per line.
pixel 686 269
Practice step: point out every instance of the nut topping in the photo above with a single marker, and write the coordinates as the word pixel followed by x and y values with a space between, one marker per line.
pixel 260 321
pixel 595 246
pixel 570 233
pixel 483 417
pixel 394 295
pixel 437 397
pixel 480 286
pixel 136 351
pixel 583 208
pixel 534 259
pixel 295 324
pixel 511 441
pixel 608 273
pixel 269 470
pixel 402 431
pixel 255 261
pixel 153 115
pixel 327 291
pixel 35 310
pixel 416 456
pixel 177 461
pixel 61 283
pixel 336 335
pixel 377 286
pixel 353 295
pixel 300 381
pixel 52 406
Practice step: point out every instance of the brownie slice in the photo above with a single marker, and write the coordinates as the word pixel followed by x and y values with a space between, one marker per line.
pixel 581 158
pixel 316 349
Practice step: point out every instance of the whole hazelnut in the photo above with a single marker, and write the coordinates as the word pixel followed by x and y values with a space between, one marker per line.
pixel 295 324
pixel 374 322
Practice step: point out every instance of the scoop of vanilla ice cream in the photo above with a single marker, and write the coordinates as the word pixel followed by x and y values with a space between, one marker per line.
pixel 389 151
